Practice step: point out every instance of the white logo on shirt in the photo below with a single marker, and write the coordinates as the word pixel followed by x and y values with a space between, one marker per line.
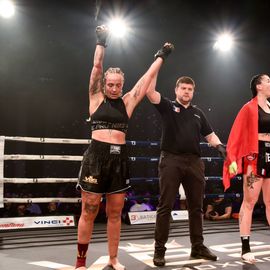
pixel 197 116
pixel 176 109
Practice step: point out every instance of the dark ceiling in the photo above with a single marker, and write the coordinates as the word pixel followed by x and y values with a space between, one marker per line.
pixel 46 53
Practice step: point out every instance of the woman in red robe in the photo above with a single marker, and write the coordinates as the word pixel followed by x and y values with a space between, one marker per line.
pixel 248 152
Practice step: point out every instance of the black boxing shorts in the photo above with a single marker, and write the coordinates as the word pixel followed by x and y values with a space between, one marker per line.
pixel 263 163
pixel 104 168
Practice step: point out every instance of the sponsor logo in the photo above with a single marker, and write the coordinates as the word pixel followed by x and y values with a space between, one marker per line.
pixel 12 225
pixel 142 217
pixel 267 144
pixel 115 149
pixel 179 215
pixel 267 157
pixel 90 179
pixel 36 222
pixel 197 116
pixel 68 221
pixel 133 217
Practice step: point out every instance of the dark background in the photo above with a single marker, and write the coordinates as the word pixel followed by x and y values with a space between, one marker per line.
pixel 46 53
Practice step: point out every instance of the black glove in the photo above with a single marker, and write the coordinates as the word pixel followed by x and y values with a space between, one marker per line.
pixel 102 33
pixel 164 51
pixel 222 151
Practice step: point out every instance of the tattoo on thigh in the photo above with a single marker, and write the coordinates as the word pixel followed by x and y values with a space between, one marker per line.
pixel 251 179
pixel 91 208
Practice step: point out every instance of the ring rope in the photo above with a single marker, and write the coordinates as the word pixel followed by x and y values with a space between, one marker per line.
pixel 78 200
pixel 39 180
pixel 2 147
pixel 43 157
pixel 41 200
pixel 14 157
pixel 79 141
pixel 79 158
pixel 48 140
pixel 74 180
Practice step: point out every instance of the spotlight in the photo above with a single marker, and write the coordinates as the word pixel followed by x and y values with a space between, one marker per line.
pixel 224 43
pixel 6 9
pixel 117 28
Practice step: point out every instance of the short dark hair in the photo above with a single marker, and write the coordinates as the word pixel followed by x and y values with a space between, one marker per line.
pixel 185 79
pixel 255 80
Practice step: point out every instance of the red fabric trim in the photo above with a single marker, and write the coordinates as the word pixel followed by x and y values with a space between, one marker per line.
pixel 252 163
pixel 243 140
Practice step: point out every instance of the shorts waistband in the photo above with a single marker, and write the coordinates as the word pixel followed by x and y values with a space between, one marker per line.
pixel 95 142
pixel 264 144
pixel 107 148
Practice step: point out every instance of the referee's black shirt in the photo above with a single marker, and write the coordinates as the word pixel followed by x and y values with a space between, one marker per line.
pixel 182 127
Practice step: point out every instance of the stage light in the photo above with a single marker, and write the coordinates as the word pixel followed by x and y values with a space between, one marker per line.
pixel 7 9
pixel 224 43
pixel 118 28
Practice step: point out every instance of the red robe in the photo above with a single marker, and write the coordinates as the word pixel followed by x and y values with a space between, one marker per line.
pixel 243 140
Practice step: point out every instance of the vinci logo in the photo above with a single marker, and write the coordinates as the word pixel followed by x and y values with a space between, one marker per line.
pixel 68 221
pixel 54 221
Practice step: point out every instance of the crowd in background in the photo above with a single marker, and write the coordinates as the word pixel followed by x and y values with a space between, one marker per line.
pixel 137 199
pixel 143 196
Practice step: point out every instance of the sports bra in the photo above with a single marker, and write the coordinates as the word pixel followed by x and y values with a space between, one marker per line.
pixel 264 121
pixel 111 114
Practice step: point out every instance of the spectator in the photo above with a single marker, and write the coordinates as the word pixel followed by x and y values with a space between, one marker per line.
pixel 219 208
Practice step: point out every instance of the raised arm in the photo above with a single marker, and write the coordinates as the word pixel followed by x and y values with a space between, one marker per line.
pixel 152 94
pixel 133 97
pixel 95 83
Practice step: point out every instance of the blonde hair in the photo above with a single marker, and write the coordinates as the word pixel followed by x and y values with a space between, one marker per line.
pixel 112 70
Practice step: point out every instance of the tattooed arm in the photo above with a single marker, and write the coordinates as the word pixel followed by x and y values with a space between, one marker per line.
pixel 95 83
pixel 133 97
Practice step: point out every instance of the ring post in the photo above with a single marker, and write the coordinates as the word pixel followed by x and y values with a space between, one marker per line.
pixel 2 146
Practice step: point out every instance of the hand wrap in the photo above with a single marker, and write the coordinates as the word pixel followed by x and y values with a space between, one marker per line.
pixel 164 51
pixel 222 150
pixel 102 33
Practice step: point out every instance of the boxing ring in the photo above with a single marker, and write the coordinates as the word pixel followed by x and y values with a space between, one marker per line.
pixel 44 157
pixel 136 247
